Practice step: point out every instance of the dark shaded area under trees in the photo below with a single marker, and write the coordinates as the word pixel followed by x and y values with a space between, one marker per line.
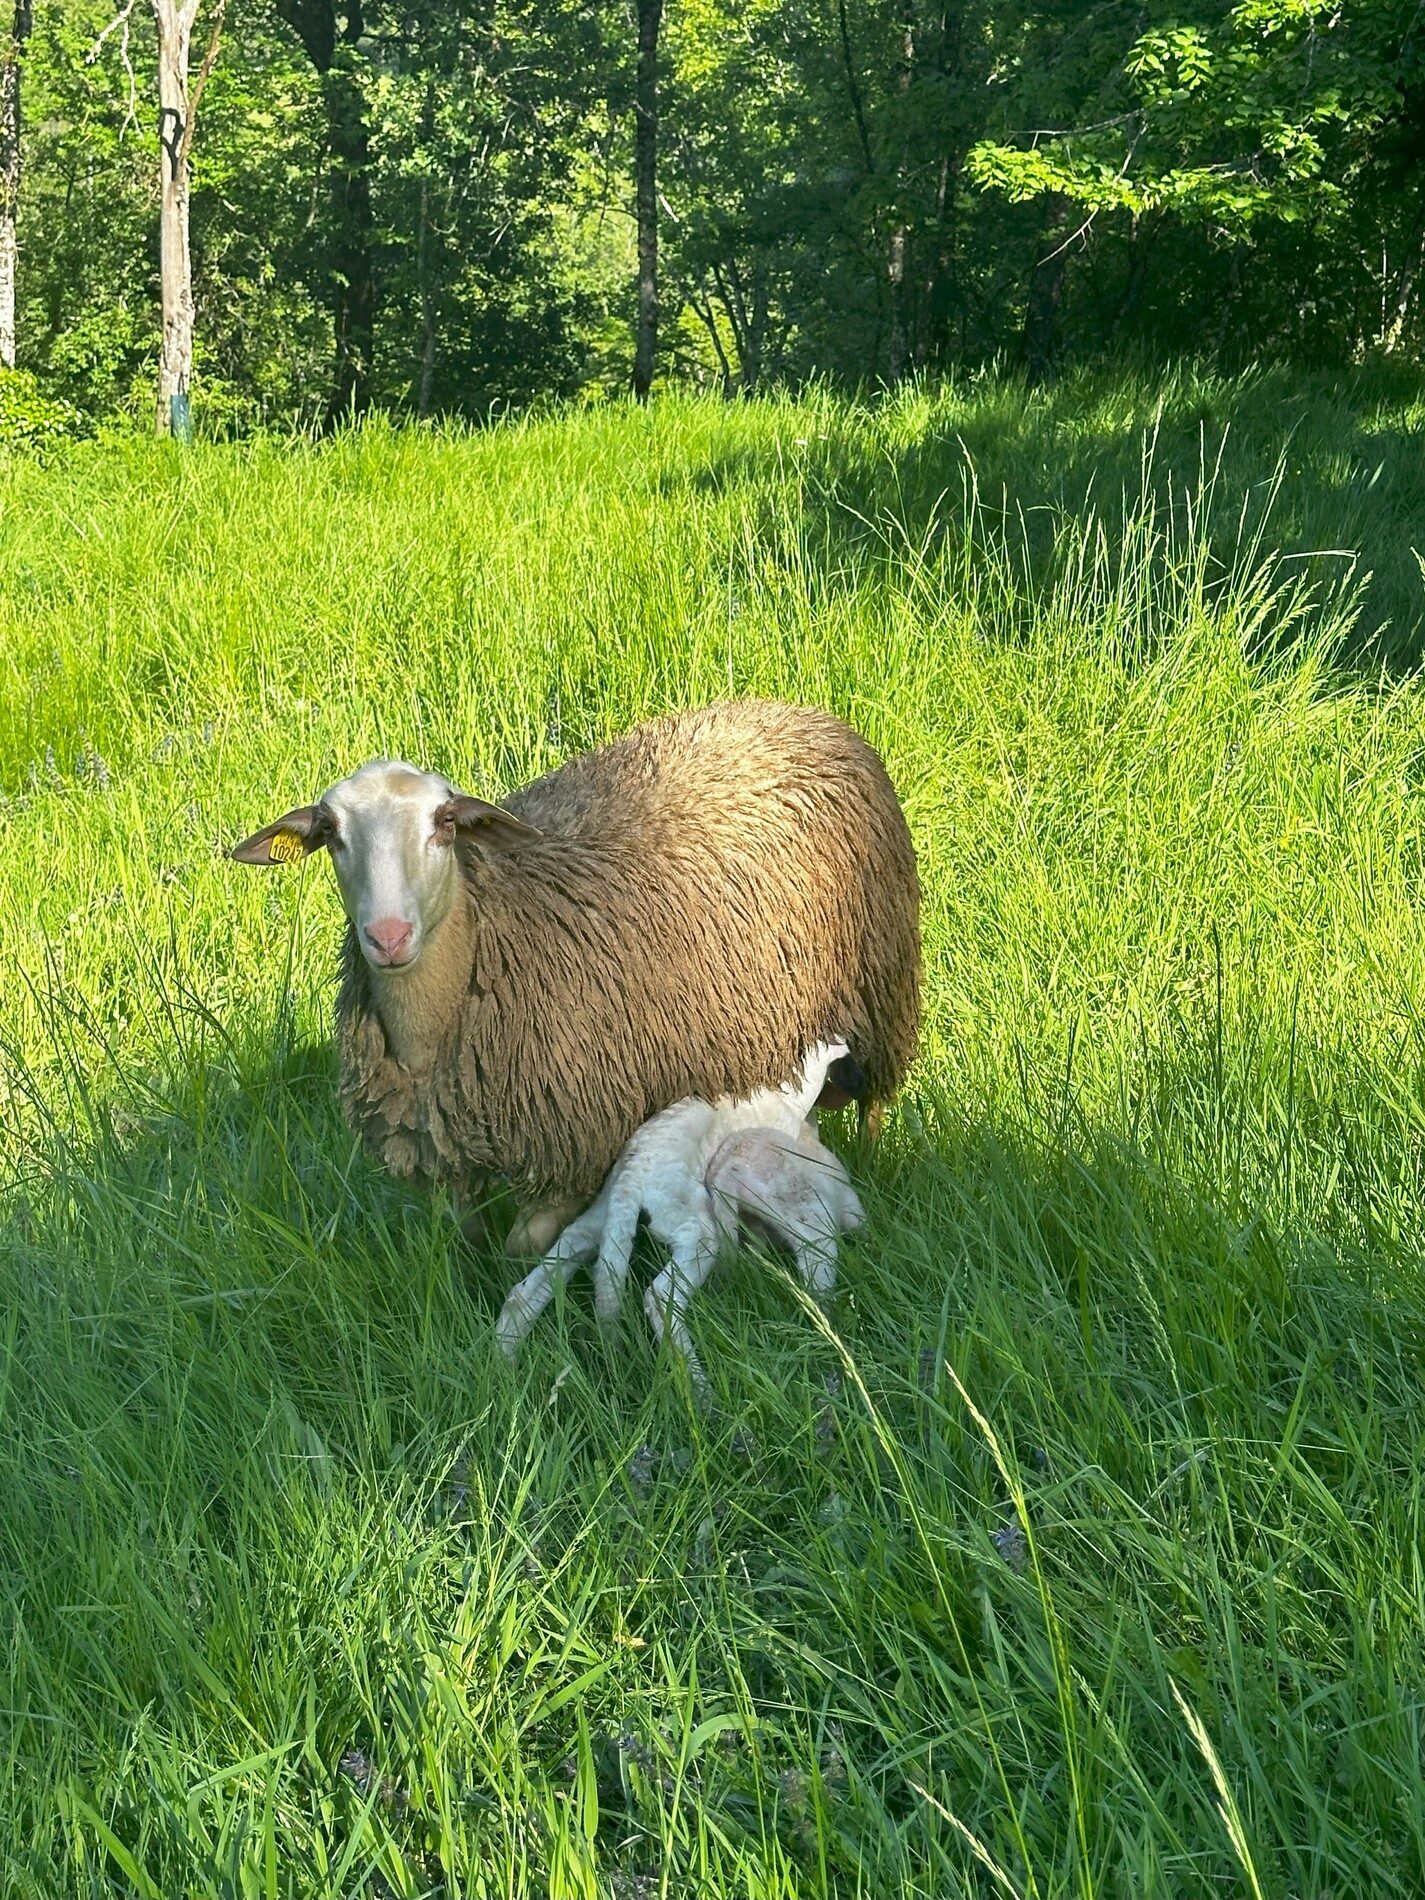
pixel 460 208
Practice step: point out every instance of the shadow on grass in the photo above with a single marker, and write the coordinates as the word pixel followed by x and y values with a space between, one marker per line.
pixel 220 1219
pixel 220 1214
pixel 1188 1435
pixel 1323 471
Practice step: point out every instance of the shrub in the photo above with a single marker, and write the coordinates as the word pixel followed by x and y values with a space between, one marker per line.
pixel 30 419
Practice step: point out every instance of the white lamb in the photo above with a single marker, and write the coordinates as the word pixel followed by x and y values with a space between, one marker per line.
pixel 692 1169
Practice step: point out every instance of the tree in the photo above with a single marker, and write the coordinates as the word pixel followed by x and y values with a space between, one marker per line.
pixel 1257 127
pixel 334 49
pixel 423 203
pixel 10 70
pixel 814 173
pixel 645 173
pixel 478 114
pixel 177 117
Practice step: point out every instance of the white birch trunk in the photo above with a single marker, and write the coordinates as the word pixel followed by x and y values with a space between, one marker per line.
pixel 10 176
pixel 175 363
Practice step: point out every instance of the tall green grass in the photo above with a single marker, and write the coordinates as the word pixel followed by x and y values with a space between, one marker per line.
pixel 1081 1553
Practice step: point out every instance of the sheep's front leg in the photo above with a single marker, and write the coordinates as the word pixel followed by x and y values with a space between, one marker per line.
pixel 694 1253
pixel 527 1301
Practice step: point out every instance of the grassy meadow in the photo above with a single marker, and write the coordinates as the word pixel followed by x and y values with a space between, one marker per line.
pixel 1083 1552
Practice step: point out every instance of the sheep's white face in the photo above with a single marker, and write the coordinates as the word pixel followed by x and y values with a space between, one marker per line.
pixel 391 830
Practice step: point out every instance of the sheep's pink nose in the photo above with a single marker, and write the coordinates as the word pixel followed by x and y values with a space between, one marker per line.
pixel 388 936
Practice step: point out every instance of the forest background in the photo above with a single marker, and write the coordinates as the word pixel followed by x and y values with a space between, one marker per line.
pixel 460 207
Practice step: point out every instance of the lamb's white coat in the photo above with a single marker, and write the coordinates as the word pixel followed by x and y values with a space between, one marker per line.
pixel 691 1170
pixel 795 1186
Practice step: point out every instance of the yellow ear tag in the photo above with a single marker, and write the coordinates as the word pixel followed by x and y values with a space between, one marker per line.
pixel 285 847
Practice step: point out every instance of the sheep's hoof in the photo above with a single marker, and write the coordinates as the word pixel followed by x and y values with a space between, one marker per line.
pixel 537 1228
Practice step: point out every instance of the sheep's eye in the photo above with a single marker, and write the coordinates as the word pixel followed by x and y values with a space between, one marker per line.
pixel 443 828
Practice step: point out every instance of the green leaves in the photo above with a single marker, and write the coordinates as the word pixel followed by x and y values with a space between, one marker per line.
pixel 859 190
pixel 1264 114
pixel 30 418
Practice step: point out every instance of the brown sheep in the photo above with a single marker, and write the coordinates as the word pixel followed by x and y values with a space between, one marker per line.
pixel 681 912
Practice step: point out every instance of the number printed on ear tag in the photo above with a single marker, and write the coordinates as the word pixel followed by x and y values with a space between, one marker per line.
pixel 285 847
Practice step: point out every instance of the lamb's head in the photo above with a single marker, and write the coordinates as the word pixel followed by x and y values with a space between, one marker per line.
pixel 396 836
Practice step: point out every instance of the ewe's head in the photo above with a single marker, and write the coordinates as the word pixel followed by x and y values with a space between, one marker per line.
pixel 394 834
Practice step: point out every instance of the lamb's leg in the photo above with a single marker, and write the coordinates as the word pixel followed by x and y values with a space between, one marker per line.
pixel 616 1248
pixel 694 1252
pixel 870 1115
pixel 528 1300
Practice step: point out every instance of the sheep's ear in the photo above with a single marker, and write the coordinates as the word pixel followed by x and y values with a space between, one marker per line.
pixel 293 836
pixel 482 822
pixel 845 1082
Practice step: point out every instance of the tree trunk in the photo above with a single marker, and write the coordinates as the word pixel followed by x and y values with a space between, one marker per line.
pixel 177 116
pixel 1391 334
pixel 355 302
pixel 10 175
pixel 353 277
pixel 427 289
pixel 1227 309
pixel 853 87
pixel 1046 290
pixel 757 330
pixel 900 333
pixel 700 301
pixel 175 362
pixel 1133 285
pixel 748 319
pixel 427 307
pixel 645 171
pixel 896 250
pixel 938 281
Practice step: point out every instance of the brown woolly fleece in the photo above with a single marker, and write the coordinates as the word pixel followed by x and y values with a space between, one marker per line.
pixel 709 896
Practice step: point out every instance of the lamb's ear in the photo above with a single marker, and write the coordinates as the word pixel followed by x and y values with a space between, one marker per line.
pixel 293 836
pixel 484 823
